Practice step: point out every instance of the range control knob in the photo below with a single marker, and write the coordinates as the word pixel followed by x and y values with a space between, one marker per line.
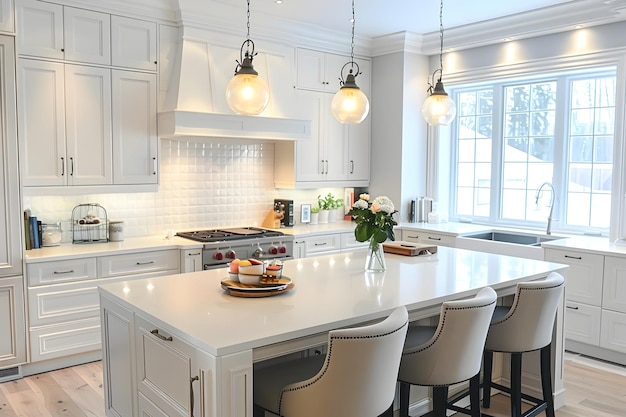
pixel 259 252
pixel 273 250
pixel 282 249
pixel 231 254
pixel 218 255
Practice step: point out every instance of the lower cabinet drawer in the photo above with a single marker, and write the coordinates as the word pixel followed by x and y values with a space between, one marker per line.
pixel 613 331
pixel 62 303
pixel 43 273
pixel 138 263
pixel 582 323
pixel 166 369
pixel 316 245
pixel 49 342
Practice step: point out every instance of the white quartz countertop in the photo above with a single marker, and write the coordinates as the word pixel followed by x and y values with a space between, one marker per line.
pixel 330 292
pixel 304 230
pixel 599 245
pixel 446 228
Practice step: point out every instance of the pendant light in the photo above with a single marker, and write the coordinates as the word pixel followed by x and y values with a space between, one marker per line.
pixel 247 93
pixel 439 108
pixel 350 104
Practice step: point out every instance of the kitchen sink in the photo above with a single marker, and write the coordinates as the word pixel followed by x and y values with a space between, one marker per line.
pixel 520 244
pixel 513 237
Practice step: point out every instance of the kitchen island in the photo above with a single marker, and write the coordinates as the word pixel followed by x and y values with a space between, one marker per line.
pixel 180 345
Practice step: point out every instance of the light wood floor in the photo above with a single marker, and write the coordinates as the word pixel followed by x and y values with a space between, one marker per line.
pixel 593 390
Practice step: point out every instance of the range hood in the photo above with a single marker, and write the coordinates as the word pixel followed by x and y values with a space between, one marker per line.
pixel 196 106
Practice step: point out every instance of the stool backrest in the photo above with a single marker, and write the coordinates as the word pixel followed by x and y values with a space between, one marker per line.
pixel 529 322
pixel 455 351
pixel 359 374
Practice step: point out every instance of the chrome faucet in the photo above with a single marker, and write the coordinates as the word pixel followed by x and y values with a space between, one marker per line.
pixel 552 199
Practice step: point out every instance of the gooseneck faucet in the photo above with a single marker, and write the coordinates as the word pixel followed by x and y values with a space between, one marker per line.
pixel 552 199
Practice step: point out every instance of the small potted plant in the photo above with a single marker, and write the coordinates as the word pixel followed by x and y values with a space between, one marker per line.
pixel 315 214
pixel 324 204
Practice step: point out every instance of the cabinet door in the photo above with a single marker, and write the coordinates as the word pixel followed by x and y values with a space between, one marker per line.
pixel 613 334
pixel 334 137
pixel 11 226
pixel 40 28
pixel 310 160
pixel 12 322
pixel 7 11
pixel 88 125
pixel 135 158
pixel 310 70
pixel 191 260
pixel 87 36
pixel 582 323
pixel 359 151
pixel 614 291
pixel 41 100
pixel 134 43
pixel 323 245
pixel 584 278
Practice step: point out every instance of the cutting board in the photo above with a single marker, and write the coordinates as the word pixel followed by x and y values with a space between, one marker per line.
pixel 400 247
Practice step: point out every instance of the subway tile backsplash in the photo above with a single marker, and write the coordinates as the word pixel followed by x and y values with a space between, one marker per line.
pixel 202 185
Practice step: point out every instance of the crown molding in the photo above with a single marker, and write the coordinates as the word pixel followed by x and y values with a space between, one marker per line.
pixel 163 11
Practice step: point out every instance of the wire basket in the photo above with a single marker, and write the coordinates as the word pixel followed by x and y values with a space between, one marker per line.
pixel 89 224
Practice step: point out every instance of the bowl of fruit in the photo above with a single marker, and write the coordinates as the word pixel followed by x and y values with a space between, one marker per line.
pixel 233 270
pixel 250 271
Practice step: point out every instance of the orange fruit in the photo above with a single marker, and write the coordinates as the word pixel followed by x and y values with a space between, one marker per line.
pixel 245 263
pixel 255 261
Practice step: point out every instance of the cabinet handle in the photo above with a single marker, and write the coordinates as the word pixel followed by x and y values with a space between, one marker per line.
pixel 572 308
pixel 326 171
pixel 71 271
pixel 574 257
pixel 193 254
pixel 191 399
pixel 62 166
pixel 145 263
pixel 154 166
pixel 71 167
pixel 434 238
pixel 321 244
pixel 322 167
pixel 413 237
pixel 351 167
pixel 160 336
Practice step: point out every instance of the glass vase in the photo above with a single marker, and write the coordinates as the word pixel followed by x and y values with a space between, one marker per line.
pixel 375 260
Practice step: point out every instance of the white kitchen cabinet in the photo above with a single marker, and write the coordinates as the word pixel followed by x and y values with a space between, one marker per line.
pixel 582 322
pixel 40 29
pixel 299 248
pixel 12 322
pixel 614 288
pixel 191 260
pixel 320 71
pixel 65 122
pixel 86 36
pixel 428 237
pixel 336 155
pixel 584 278
pixel 63 300
pixel 134 43
pixel 613 333
pixel 323 244
pixel 135 141
pixel 350 244
pixel 7 13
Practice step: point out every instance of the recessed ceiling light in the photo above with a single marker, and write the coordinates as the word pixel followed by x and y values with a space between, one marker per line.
pixel 278 1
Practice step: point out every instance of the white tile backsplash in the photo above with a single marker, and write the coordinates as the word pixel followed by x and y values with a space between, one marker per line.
pixel 203 185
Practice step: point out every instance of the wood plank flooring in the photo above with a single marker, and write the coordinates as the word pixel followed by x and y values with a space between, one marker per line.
pixel 594 389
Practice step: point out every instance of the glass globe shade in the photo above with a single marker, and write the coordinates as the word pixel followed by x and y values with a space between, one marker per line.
pixel 350 105
pixel 247 94
pixel 439 109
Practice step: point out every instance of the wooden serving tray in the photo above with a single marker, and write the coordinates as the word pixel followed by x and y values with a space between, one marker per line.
pixel 237 289
pixel 408 248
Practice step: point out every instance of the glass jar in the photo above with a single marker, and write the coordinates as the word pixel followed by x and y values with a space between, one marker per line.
pixel 51 234
pixel 116 230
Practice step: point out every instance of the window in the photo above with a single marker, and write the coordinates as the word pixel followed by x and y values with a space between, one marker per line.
pixel 526 147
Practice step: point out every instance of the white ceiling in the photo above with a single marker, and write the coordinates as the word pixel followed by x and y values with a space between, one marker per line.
pixel 467 23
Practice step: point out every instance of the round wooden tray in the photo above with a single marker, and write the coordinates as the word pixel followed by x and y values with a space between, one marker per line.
pixel 237 289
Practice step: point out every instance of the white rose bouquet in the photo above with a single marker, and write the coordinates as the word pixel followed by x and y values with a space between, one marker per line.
pixel 374 220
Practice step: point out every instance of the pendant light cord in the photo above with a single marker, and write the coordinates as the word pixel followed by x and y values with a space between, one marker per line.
pixel 248 23
pixel 352 44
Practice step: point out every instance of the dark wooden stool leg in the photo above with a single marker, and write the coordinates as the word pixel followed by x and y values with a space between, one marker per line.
pixel 546 380
pixel 487 368
pixel 516 384
pixel 404 399
pixel 475 395
pixel 440 401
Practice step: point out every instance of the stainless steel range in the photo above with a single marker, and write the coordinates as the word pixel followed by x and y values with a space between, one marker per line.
pixel 223 245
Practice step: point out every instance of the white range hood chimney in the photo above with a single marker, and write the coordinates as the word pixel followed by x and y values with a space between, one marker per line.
pixel 196 98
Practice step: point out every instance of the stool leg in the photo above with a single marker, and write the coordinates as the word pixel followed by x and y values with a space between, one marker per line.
pixel 487 367
pixel 405 389
pixel 257 411
pixel 546 380
pixel 440 401
pixel 516 384
pixel 475 395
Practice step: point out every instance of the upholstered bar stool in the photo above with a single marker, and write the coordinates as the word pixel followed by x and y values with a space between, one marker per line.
pixel 525 326
pixel 357 377
pixel 449 353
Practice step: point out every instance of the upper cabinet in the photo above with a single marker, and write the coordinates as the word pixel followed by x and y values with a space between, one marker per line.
pixel 320 71
pixel 54 31
pixel 134 43
pixel 7 13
